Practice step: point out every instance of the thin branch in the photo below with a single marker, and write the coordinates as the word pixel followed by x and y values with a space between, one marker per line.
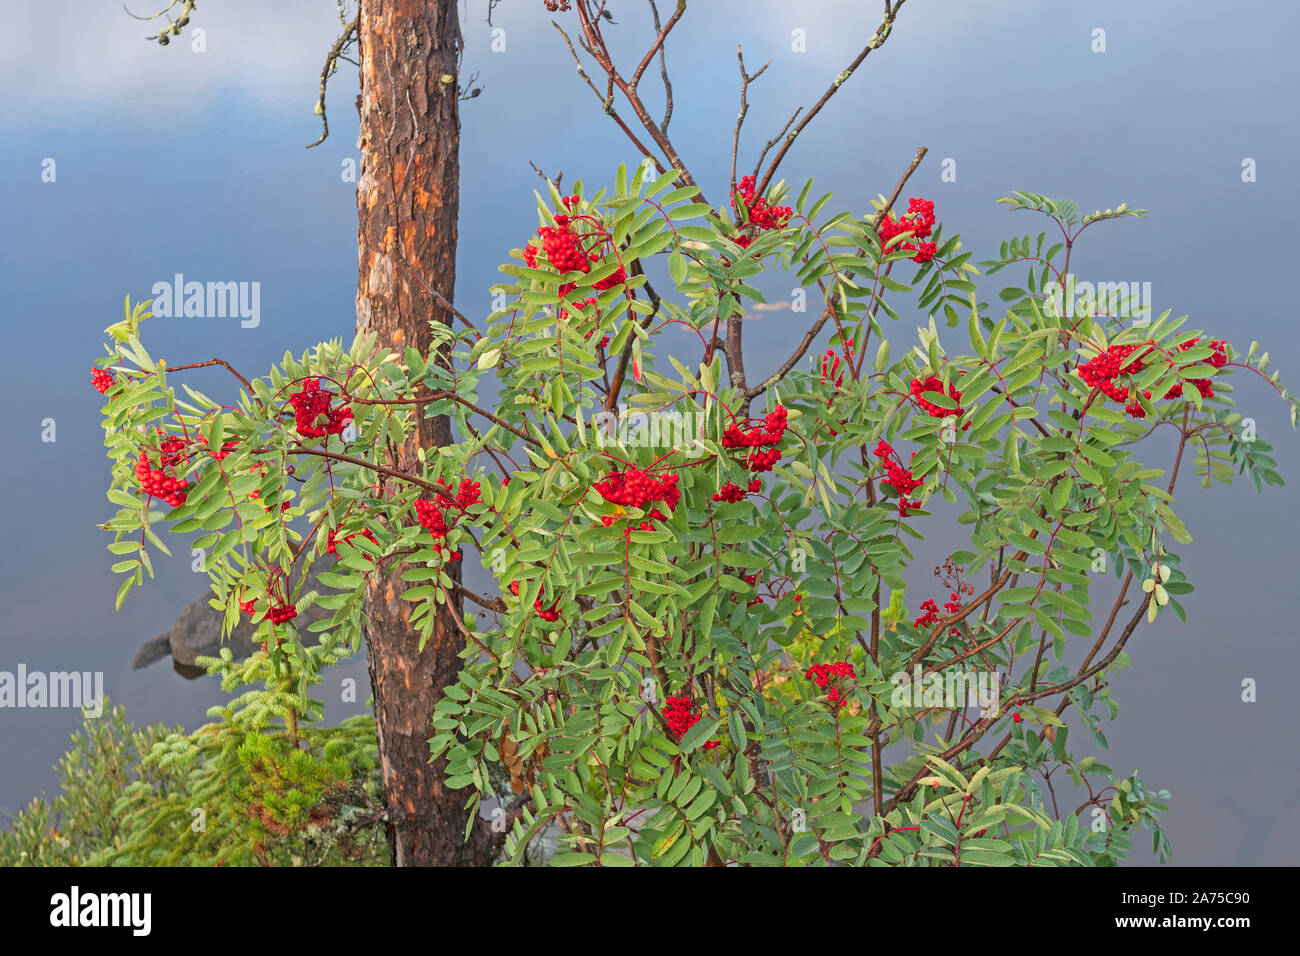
pixel 331 64
pixel 174 27
pixel 491 604
pixel 877 40
pixel 451 396
pixel 898 189
pixel 745 80
pixel 774 140
pixel 224 364
pixel 553 183
pixel 829 311
pixel 663 72
pixel 434 293
pixel 660 36
pixel 620 372
pixel 595 45
pixel 606 103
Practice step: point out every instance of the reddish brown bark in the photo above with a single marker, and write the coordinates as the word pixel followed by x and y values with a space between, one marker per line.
pixel 407 207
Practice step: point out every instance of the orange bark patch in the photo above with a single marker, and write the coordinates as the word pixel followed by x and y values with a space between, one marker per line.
pixel 422 197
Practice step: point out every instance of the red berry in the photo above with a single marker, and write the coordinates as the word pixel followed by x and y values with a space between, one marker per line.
pixel 918 221
pixel 102 379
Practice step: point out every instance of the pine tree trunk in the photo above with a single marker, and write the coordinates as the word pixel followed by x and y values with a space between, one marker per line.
pixel 407 207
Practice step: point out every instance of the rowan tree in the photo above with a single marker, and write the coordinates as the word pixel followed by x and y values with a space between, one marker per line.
pixel 697 646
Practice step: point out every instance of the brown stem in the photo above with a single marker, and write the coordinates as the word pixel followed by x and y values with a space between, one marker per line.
pixel 877 40
pixel 224 364
pixel 810 336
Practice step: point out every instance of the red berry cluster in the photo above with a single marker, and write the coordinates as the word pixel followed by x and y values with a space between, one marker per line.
pixel 1100 372
pixel 931 615
pixel 770 432
pixel 563 248
pixel 634 488
pixel 899 478
pixel 258 469
pixel 733 492
pixel 767 433
pixel 831 374
pixel 950 574
pixel 935 384
pixel 102 379
pixel 557 6
pixel 551 613
pixel 431 518
pixel 824 674
pixel 752 580
pixel 226 448
pixel 1202 385
pixel 468 493
pixel 762 217
pixel 587 303
pixel 1220 346
pixel 681 716
pixel 279 613
pixel 172 451
pixel 918 221
pixel 763 460
pixel 431 514
pixel 331 548
pixel 157 482
pixel 312 403
pixel 831 370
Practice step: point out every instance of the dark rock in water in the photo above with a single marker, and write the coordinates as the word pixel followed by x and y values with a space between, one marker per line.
pixel 188 671
pixel 152 651
pixel 197 633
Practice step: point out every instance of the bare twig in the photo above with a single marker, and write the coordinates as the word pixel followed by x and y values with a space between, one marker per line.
pixel 331 64
pixel 663 73
pixel 606 102
pixel 553 183
pixel 745 80
pixel 898 189
pixel 876 41
pixel 596 46
pixel 829 311
pixel 224 364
